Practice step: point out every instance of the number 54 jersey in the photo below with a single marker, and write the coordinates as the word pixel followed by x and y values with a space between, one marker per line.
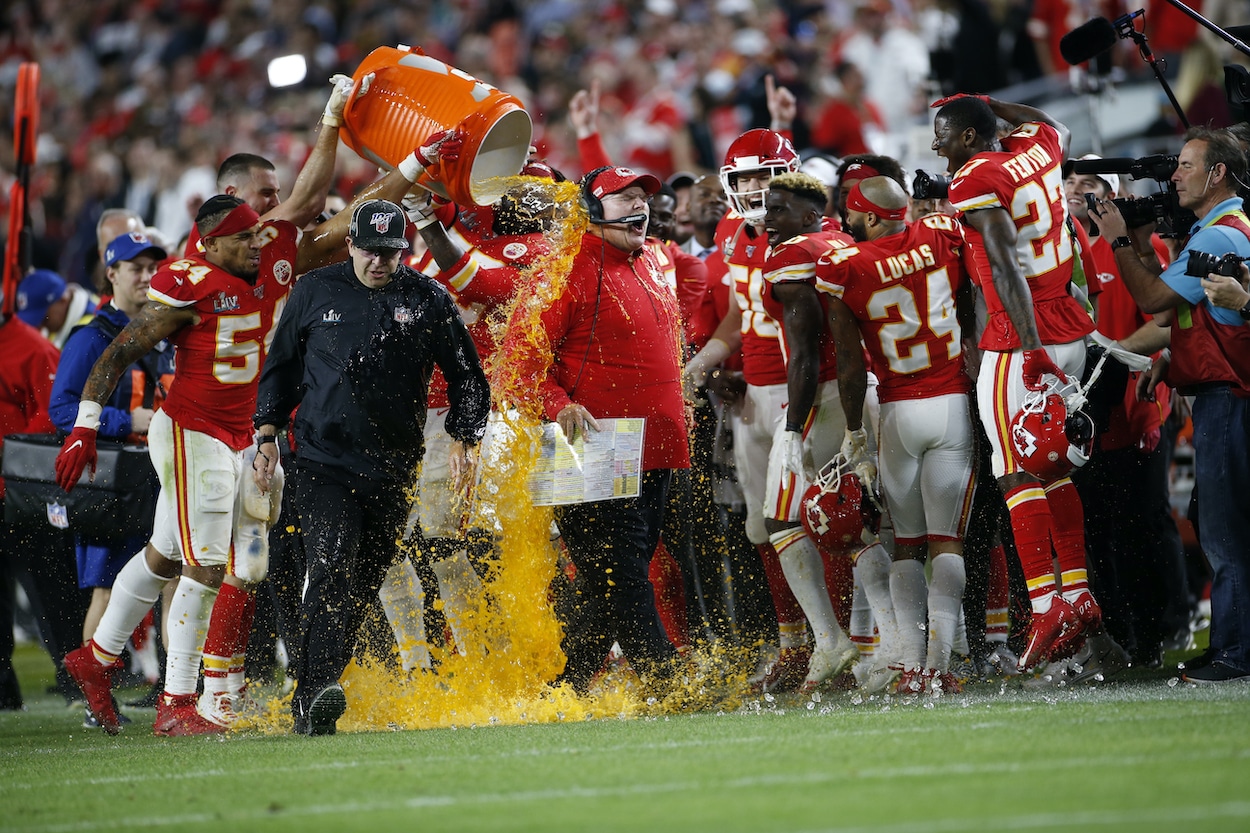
pixel 901 289
pixel 218 359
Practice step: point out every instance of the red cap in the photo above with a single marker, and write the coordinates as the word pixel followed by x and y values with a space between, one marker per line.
pixel 618 179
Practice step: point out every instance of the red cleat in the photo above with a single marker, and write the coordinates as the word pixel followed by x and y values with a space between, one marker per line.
pixel 1090 614
pixel 788 672
pixel 913 680
pixel 96 682
pixel 943 682
pixel 1060 622
pixel 177 716
pixel 1089 611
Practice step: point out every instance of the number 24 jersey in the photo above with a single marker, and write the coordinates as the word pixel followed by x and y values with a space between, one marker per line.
pixel 901 289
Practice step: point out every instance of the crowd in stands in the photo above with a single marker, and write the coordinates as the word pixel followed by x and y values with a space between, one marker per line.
pixel 142 100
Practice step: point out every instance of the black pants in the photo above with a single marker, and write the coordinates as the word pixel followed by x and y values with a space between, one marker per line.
pixel 612 600
pixel 349 527
pixel 1135 554
pixel 40 558
pixel 696 538
pixel 287 566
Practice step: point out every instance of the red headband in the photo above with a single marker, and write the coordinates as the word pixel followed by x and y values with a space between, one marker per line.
pixel 241 218
pixel 856 201
pixel 857 171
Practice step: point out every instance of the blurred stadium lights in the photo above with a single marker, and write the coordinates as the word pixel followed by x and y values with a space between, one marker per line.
pixel 287 70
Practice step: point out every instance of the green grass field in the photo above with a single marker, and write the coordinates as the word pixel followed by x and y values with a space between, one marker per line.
pixel 1145 753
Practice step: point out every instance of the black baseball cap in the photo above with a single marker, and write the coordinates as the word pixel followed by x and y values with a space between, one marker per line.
pixel 379 224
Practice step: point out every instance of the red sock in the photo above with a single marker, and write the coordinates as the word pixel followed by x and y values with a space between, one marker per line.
pixel 996 598
pixel 1068 533
pixel 238 662
pixel 670 595
pixel 223 635
pixel 1030 524
pixel 787 607
pixel 840 580
pixel 142 633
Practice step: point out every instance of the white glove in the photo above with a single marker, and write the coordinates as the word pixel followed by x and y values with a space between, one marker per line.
pixel 339 92
pixel 712 354
pixel 419 207
pixel 855 453
pixel 855 446
pixel 796 457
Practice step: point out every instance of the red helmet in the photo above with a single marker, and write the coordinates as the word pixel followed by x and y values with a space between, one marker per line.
pixel 1048 439
pixel 755 150
pixel 831 508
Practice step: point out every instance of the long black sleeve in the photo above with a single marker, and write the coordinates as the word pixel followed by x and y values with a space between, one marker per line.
pixel 467 388
pixel 281 378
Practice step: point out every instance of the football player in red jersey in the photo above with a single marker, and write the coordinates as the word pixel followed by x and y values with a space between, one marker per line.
pixel 814 422
pixel 218 310
pixel 480 254
pixel 897 289
pixel 1008 193
pixel 751 162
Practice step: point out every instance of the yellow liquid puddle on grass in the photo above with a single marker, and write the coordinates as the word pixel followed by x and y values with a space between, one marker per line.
pixel 512 654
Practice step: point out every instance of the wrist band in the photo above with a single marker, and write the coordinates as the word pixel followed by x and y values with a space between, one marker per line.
pixel 411 168
pixel 88 415
pixel 264 439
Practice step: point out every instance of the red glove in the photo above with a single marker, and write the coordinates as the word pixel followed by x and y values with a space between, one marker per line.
pixel 77 454
pixel 443 146
pixel 1036 364
pixel 948 99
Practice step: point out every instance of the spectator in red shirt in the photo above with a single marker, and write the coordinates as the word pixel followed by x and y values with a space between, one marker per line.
pixel 839 128
pixel 42 552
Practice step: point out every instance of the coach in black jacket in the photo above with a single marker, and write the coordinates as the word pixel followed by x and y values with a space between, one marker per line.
pixel 355 349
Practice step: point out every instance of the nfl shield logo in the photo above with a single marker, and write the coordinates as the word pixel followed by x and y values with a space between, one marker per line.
pixel 403 315
pixel 381 221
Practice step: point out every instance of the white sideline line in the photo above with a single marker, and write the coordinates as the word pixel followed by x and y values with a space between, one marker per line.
pixel 1022 822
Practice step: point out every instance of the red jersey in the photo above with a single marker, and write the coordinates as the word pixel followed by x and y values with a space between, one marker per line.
pixel 1025 180
pixel 27 370
pixel 901 289
pixel 482 281
pixel 687 275
pixel 616 337
pixel 795 261
pixel 218 360
pixel 745 251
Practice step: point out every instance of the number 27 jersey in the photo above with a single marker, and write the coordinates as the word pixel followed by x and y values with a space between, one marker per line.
pixel 1024 179
pixel 901 290
pixel 218 360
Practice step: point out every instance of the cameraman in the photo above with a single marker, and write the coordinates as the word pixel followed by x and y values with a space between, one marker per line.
pixel 1210 361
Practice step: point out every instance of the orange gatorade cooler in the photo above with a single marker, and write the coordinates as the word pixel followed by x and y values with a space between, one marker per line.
pixel 401 95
